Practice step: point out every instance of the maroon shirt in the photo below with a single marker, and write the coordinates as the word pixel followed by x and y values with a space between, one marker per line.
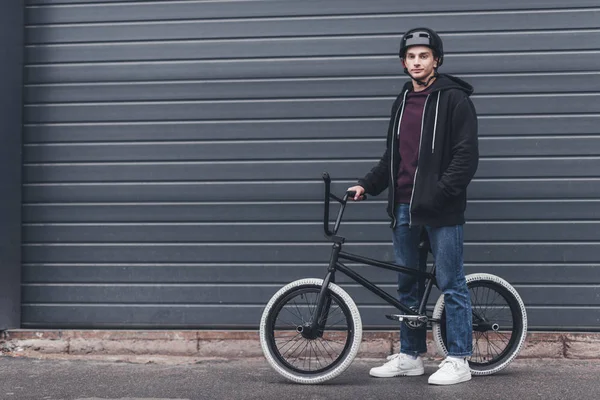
pixel 408 143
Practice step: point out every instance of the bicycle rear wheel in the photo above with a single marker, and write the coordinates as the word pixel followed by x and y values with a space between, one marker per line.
pixel 289 346
pixel 499 324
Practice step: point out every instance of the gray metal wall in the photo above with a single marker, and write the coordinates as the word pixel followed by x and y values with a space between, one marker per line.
pixel 173 152
pixel 11 84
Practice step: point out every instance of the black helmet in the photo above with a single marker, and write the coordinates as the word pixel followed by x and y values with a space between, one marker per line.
pixel 423 37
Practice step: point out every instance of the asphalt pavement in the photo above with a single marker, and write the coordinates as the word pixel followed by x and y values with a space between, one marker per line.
pixel 67 379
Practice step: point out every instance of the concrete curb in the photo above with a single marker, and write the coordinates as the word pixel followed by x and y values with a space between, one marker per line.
pixel 243 344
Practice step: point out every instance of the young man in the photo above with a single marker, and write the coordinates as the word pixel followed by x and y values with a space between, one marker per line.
pixel 430 158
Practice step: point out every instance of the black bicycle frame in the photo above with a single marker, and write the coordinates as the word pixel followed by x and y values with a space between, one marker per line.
pixel 430 278
pixel 335 265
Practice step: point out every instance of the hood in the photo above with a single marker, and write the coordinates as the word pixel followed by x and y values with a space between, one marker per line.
pixel 444 82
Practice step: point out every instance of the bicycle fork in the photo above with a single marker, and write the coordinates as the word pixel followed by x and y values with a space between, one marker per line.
pixel 319 317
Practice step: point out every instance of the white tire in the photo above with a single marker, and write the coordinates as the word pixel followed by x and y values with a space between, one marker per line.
pixel 346 359
pixel 519 314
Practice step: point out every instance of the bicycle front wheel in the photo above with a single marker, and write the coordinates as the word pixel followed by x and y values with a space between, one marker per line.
pixel 303 356
pixel 499 324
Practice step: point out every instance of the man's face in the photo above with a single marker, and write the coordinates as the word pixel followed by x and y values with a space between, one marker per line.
pixel 420 62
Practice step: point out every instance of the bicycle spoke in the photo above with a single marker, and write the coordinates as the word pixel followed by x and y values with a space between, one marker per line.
pixel 293 338
pixel 489 351
pixel 299 312
pixel 304 352
pixel 337 322
pixel 294 314
pixel 310 311
pixel 288 342
pixel 294 349
pixel 314 350
pixel 321 353
pixel 498 309
pixel 506 338
pixel 488 304
pixel 476 292
pixel 288 323
pixel 324 348
pixel 327 343
pixel 333 341
pixel 309 351
pixel 478 336
pixel 491 347
pixel 303 349
pixel 329 315
pixel 495 346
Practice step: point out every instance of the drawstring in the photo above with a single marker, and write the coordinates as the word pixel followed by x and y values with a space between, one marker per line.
pixel 437 105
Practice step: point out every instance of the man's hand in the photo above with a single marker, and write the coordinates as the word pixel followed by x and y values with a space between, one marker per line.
pixel 359 190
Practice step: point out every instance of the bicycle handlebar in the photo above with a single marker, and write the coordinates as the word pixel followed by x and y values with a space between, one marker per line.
pixel 328 195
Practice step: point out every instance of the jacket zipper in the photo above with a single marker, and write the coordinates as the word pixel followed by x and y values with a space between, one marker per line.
pixel 392 150
pixel 437 105
pixel 412 195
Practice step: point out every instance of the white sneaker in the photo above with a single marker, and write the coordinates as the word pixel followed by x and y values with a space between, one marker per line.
pixel 399 365
pixel 452 370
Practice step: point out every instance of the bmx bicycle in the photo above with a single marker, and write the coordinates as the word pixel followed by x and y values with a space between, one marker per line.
pixel 311 329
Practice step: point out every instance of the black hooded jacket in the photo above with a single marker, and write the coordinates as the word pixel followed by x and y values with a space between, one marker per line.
pixel 448 155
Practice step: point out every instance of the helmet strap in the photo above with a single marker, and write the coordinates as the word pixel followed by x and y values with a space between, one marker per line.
pixel 420 82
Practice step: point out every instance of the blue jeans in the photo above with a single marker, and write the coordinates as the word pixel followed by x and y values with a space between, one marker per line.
pixel 447 247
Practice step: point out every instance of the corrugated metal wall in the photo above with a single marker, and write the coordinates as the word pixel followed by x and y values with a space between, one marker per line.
pixel 11 117
pixel 173 152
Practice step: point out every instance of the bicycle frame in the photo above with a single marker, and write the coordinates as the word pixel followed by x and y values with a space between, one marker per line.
pixel 335 265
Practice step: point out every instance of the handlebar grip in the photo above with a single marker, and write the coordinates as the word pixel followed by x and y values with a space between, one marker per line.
pixel 352 193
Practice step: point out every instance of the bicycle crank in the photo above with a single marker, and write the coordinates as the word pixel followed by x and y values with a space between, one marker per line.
pixel 416 318
pixel 412 321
